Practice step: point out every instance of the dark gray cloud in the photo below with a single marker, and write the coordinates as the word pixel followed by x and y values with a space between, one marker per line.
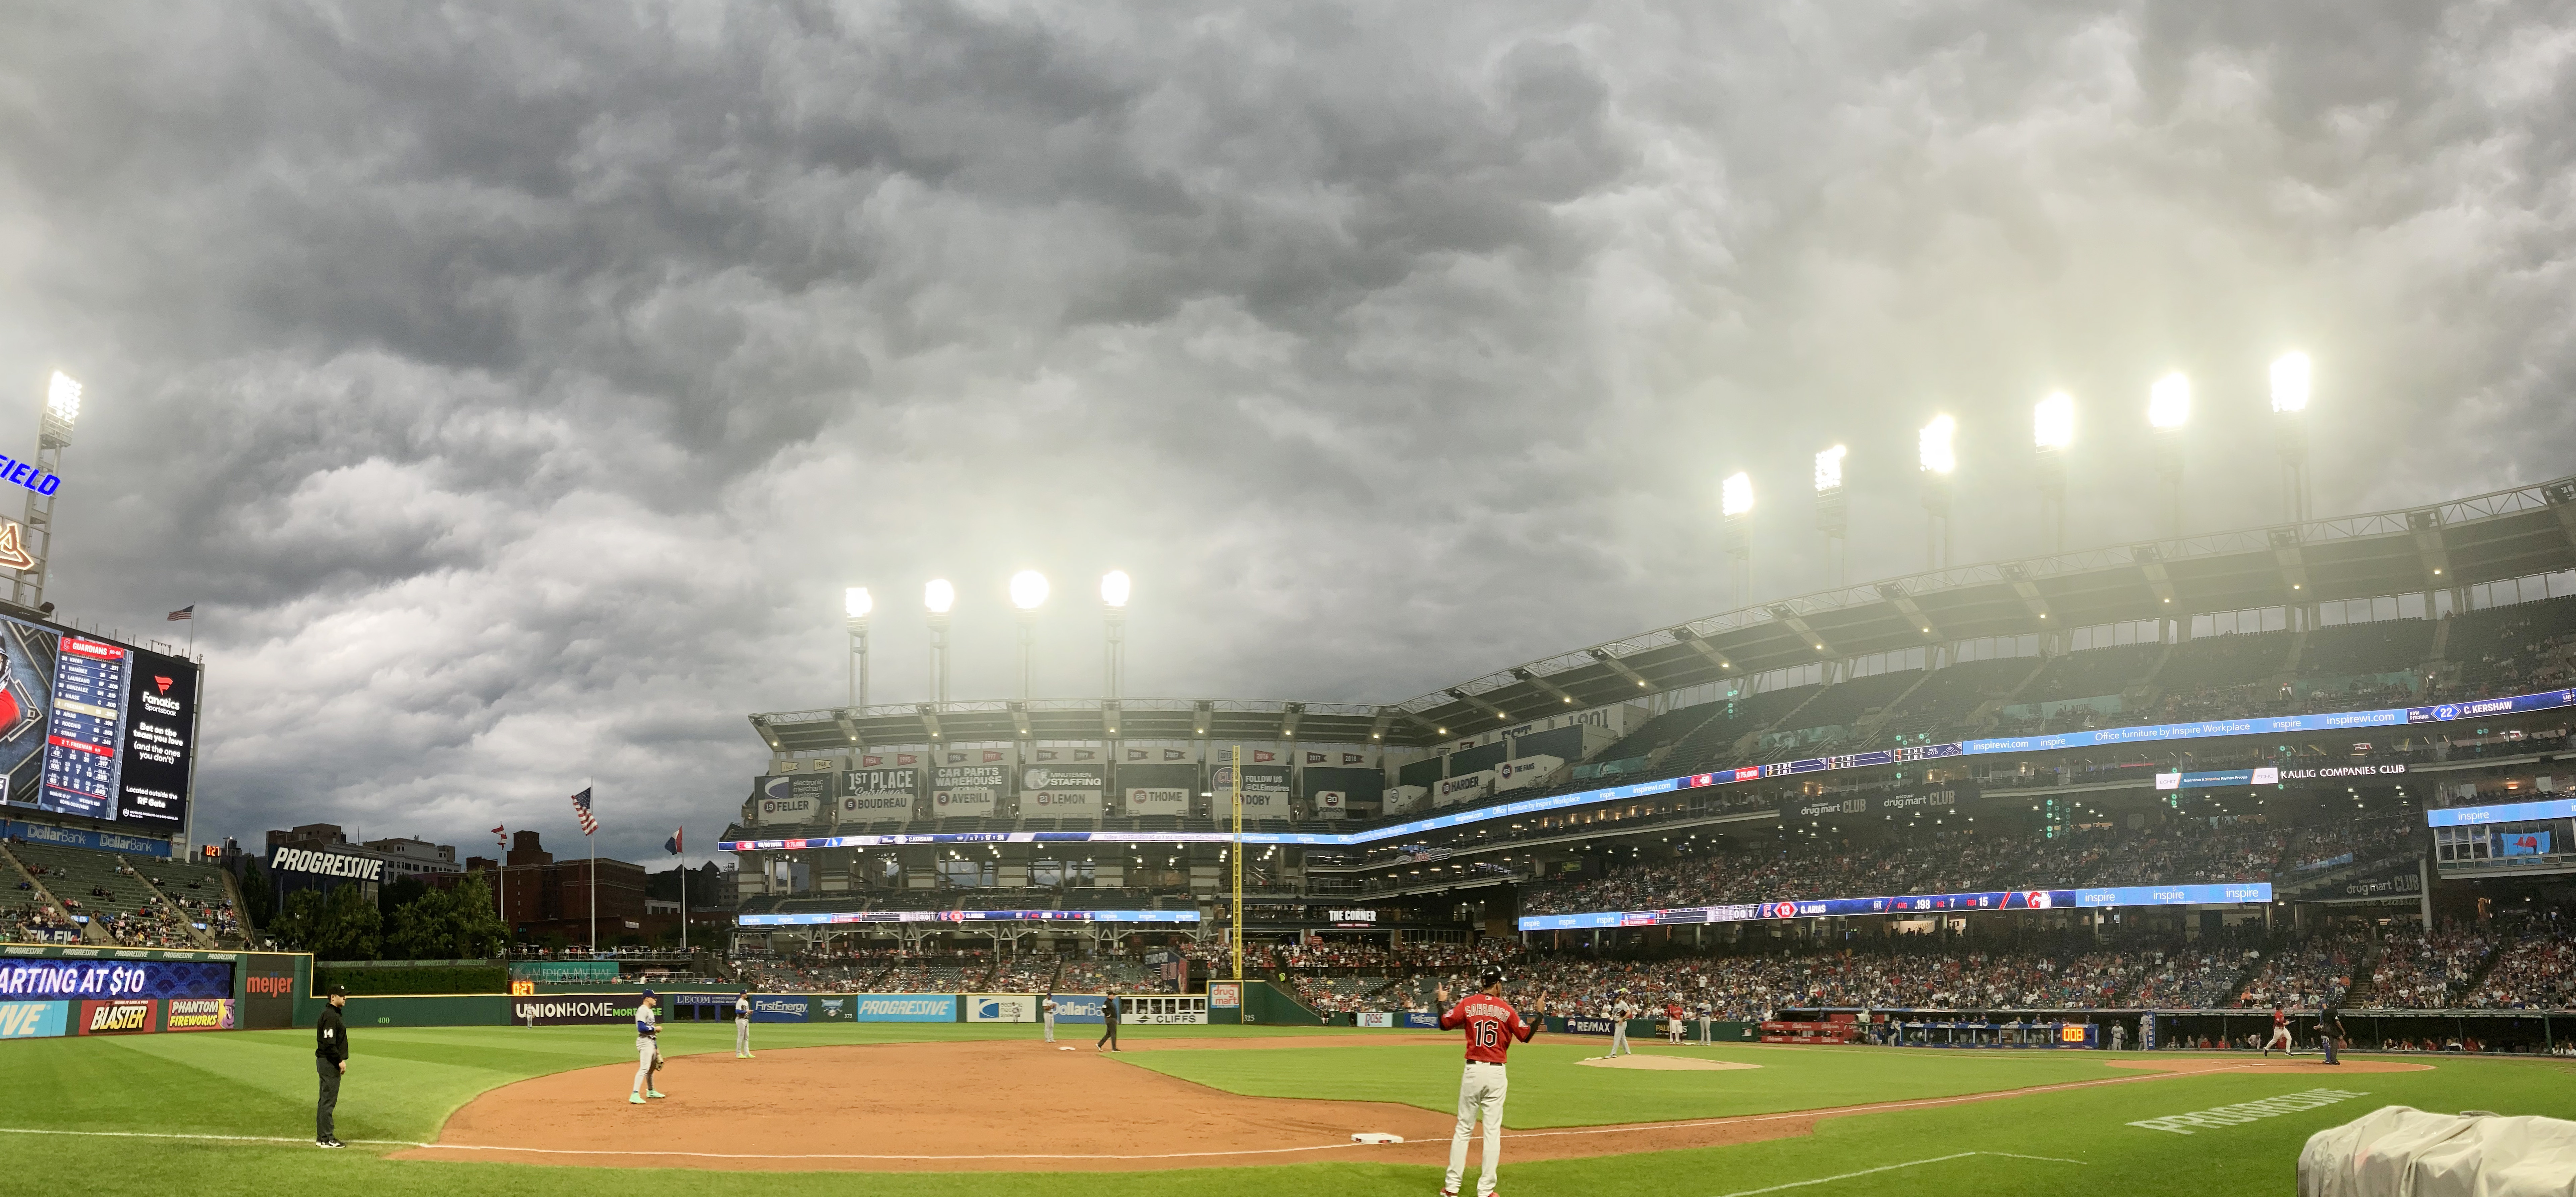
pixel 515 387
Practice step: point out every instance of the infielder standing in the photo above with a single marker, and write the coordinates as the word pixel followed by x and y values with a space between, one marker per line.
pixel 742 1025
pixel 1046 1011
pixel 1491 1026
pixel 648 1049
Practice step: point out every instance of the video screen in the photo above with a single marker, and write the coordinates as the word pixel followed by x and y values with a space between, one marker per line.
pixel 95 728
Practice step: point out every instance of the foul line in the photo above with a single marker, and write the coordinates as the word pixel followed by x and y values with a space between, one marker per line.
pixel 15 1130
pixel 1800 1184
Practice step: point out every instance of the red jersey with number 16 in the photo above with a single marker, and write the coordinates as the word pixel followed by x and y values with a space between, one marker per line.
pixel 1491 1025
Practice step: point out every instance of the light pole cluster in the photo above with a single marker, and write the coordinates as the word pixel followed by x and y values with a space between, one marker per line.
pixel 36 542
pixel 2169 401
pixel 1028 590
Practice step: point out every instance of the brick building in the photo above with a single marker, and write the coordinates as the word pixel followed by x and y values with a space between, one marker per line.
pixel 541 896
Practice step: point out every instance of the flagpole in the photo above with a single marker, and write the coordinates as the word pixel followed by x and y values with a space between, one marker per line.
pixel 683 838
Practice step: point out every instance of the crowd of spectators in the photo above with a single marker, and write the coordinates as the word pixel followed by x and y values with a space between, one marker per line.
pixel 2311 973
pixel 2537 969
pixel 2417 971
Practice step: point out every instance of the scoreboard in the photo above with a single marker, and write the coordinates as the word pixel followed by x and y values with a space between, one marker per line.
pixel 94 727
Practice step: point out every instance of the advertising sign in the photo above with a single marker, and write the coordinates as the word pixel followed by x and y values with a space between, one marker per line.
pixel 73 837
pixel 892 803
pixel 1590 1026
pixel 198 1014
pixel 34 1020
pixel 1465 788
pixel 95 728
pixel 906 1007
pixel 1332 804
pixel 1079 1007
pixel 1063 791
pixel 1421 1020
pixel 776 1008
pixel 1520 773
pixel 1002 1007
pixel 573 1009
pixel 326 864
pixel 788 798
pixel 53 978
pixel 1158 801
pixel 835 1008
pixel 116 1016
pixel 1225 995
pixel 2228 893
pixel 1259 774
pixel 269 991
pixel 1374 1018
pixel 1060 804
pixel 969 802
pixel 969 787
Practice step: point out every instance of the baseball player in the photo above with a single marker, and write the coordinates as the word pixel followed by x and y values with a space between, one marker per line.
pixel 1046 1013
pixel 648 1049
pixel 1673 1020
pixel 1704 1012
pixel 331 1059
pixel 1620 1013
pixel 742 1025
pixel 1491 1025
pixel 2280 1033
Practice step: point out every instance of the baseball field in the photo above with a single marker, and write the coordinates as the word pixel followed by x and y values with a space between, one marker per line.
pixel 938 1109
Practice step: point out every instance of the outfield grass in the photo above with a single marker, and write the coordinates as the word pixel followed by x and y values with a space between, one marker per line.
pixel 405 1082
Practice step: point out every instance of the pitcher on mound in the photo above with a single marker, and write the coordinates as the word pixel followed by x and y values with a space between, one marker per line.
pixel 1491 1026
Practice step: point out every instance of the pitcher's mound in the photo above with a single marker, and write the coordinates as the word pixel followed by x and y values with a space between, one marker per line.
pixel 1665 1064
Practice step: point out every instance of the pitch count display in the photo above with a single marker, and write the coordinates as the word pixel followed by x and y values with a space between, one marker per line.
pixel 92 727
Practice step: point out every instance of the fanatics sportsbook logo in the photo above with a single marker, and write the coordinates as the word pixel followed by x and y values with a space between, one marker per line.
pixel 162 682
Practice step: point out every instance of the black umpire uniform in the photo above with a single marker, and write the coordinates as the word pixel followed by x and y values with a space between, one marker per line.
pixel 330 1058
pixel 1109 1011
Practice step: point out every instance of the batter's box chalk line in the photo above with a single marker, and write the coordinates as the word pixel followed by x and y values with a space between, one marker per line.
pixel 1938 1159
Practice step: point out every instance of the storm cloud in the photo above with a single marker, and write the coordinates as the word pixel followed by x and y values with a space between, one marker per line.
pixel 515 387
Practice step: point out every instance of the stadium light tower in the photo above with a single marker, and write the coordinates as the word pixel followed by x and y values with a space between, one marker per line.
pixel 855 605
pixel 2168 409
pixel 2290 405
pixel 1028 592
pixel 1735 501
pixel 1114 586
pixel 2052 429
pixel 939 597
pixel 1935 453
pixel 1833 510
pixel 53 435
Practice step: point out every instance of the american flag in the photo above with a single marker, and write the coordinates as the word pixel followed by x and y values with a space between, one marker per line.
pixel 187 612
pixel 581 810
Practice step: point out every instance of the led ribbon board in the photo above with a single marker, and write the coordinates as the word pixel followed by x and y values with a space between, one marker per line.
pixel 829 917
pixel 2013 899
pixel 2340 721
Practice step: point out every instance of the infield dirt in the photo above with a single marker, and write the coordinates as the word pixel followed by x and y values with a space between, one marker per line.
pixel 1024 1106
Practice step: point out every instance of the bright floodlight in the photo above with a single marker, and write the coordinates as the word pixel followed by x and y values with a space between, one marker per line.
pixel 2289 382
pixel 2052 423
pixel 1829 468
pixel 939 596
pixel 856 602
pixel 2169 401
pixel 1932 446
pixel 1735 495
pixel 1028 589
pixel 62 397
pixel 1113 588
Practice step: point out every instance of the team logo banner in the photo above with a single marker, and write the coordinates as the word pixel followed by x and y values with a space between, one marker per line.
pixel 198 1014
pixel 34 1020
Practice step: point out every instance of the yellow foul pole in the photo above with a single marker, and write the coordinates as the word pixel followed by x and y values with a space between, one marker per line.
pixel 1238 851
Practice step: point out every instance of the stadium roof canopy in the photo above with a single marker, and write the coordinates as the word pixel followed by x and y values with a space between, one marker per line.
pixel 2491 537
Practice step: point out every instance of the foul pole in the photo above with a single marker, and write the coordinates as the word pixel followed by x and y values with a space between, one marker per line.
pixel 1238 794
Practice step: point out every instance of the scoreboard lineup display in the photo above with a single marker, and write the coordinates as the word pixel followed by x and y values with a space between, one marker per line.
pixel 95 728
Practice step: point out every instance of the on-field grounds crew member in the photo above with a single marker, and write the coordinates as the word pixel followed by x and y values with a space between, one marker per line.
pixel 1491 1025
pixel 648 1049
pixel 742 1025
pixel 331 1059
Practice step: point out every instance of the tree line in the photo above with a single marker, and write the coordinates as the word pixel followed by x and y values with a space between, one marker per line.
pixel 406 921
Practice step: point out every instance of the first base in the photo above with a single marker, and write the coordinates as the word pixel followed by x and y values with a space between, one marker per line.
pixel 1372 1137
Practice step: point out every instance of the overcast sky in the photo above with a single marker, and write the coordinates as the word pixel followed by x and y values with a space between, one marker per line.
pixel 515 387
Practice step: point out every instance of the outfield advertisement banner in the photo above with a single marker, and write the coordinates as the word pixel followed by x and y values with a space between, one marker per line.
pixel 2231 893
pixel 66 978
pixel 1003 1007
pixel 1374 1018
pixel 824 918
pixel 197 1014
pixel 831 1008
pixel 906 1007
pixel 573 1009
pixel 1225 995
pixel 1421 1020
pixel 775 1008
pixel 1589 1026
pixel 117 1016
pixel 1079 1007
pixel 34 1020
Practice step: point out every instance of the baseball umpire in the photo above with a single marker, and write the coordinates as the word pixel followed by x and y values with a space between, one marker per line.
pixel 742 1025
pixel 648 1049
pixel 1110 1009
pixel 1491 1026
pixel 331 1059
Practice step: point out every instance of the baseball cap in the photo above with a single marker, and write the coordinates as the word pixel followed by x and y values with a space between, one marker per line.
pixel 1493 976
pixel 646 993
pixel 339 991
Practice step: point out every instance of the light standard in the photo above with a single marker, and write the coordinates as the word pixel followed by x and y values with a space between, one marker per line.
pixel 1936 455
pixel 1028 591
pixel 53 434
pixel 1735 501
pixel 939 596
pixel 1114 586
pixel 2290 403
pixel 855 605
pixel 2052 429
pixel 1833 510
pixel 2168 409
